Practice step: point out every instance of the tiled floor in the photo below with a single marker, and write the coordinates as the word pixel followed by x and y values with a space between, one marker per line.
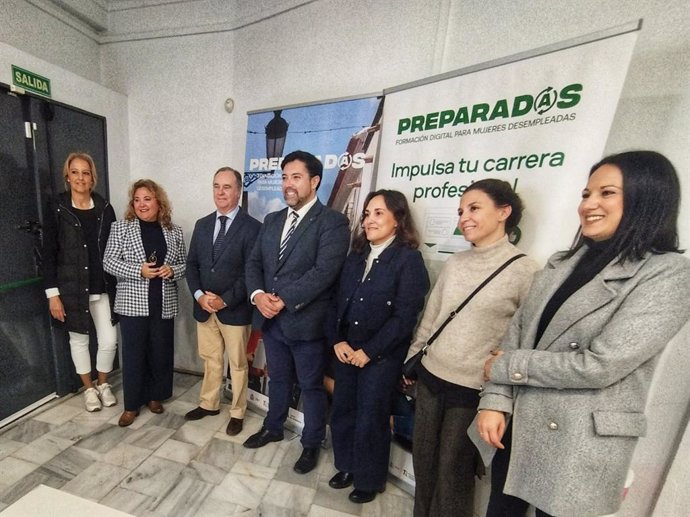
pixel 163 465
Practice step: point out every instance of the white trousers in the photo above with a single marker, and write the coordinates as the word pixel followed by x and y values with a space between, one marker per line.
pixel 99 306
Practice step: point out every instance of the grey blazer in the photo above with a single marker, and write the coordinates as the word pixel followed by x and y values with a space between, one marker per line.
pixel 123 257
pixel 306 275
pixel 578 398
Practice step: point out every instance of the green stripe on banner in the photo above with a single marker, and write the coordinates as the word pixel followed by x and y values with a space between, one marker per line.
pixel 20 283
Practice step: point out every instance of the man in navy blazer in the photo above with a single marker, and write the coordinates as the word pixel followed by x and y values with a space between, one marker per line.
pixel 221 244
pixel 290 277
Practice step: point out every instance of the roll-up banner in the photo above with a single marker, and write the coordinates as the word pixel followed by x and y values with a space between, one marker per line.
pixel 538 120
pixel 344 135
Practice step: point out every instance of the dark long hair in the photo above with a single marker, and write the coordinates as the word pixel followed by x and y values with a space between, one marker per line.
pixel 406 232
pixel 651 202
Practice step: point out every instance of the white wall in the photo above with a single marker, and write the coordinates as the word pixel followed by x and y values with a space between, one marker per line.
pixel 34 30
pixel 179 133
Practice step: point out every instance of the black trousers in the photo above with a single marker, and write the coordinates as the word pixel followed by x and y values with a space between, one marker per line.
pixel 443 456
pixel 500 504
pixel 360 419
pixel 147 359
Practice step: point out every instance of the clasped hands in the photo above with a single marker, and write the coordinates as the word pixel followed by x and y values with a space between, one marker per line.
pixel 149 270
pixel 346 355
pixel 269 305
pixel 211 302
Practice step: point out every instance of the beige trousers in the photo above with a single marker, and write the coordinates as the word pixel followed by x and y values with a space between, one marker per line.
pixel 214 339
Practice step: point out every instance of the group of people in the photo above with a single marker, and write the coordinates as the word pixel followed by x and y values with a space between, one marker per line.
pixel 551 366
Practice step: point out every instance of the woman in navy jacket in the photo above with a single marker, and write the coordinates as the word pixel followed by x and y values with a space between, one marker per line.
pixel 380 294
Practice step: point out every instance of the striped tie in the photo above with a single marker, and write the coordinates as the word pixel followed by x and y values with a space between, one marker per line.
pixel 221 236
pixel 291 230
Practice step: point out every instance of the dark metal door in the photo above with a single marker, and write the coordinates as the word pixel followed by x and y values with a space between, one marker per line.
pixel 36 136
pixel 27 372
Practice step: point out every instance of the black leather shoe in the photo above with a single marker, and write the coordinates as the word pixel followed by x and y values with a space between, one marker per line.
pixel 262 438
pixel 234 426
pixel 341 480
pixel 308 460
pixel 198 413
pixel 362 496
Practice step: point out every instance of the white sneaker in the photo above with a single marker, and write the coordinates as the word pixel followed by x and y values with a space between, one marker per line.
pixel 91 400
pixel 105 392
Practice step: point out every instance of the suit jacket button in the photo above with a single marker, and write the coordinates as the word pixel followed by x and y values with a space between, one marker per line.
pixel 356 322
pixel 361 299
pixel 574 346
pixel 213 270
pixel 553 426
pixel 388 302
pixel 275 278
pixel 517 376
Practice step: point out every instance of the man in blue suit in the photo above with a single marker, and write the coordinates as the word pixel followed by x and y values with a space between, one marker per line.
pixel 221 244
pixel 290 276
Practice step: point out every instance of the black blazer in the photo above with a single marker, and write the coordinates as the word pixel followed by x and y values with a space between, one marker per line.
pixel 225 275
pixel 308 271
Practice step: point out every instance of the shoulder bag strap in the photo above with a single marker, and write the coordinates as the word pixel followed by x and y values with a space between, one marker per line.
pixel 472 294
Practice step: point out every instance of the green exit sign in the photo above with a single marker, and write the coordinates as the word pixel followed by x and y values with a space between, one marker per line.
pixel 30 81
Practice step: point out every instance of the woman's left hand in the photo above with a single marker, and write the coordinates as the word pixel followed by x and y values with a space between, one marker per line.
pixel 343 352
pixel 166 271
pixel 495 354
pixel 359 359
pixel 491 426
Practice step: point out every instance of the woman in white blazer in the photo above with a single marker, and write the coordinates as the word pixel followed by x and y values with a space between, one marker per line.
pixel 146 253
pixel 576 363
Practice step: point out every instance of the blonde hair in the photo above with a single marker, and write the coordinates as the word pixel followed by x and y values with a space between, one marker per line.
pixel 165 208
pixel 82 156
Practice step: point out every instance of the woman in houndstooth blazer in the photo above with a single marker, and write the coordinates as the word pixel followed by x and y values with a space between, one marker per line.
pixel 146 253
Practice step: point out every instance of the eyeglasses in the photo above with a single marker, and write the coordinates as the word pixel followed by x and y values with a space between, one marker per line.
pixel 153 257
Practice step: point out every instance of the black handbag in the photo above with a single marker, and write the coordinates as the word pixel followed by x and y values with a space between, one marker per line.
pixel 411 366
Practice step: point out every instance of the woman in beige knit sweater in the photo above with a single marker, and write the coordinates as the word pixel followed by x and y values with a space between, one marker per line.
pixel 451 372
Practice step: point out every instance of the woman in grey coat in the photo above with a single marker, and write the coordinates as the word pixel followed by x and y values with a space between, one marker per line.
pixel 579 355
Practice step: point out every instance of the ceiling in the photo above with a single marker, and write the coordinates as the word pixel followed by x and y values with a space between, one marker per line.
pixel 111 21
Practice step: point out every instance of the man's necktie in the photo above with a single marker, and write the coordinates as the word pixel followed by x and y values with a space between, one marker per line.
pixel 289 233
pixel 221 235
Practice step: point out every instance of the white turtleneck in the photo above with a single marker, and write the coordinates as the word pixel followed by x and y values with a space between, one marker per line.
pixel 376 250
